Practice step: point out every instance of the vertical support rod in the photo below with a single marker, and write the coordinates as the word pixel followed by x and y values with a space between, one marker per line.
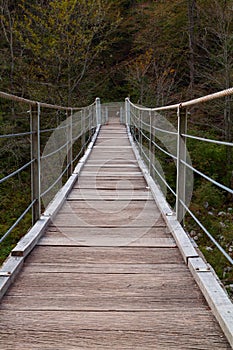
pixel 106 115
pixel 70 142
pixel 90 114
pixel 181 168
pixel 127 111
pixel 98 111
pixel 35 167
pixel 150 146
pixel 140 130
pixel 83 131
pixel 121 115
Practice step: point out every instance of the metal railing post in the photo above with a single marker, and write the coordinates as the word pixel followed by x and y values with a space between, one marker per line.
pixel 83 136
pixel 127 111
pixel 106 114
pixel 98 111
pixel 70 143
pixel 140 135
pixel 35 168
pixel 90 113
pixel 121 115
pixel 181 168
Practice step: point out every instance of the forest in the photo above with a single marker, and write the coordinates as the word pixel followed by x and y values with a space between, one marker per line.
pixel 156 52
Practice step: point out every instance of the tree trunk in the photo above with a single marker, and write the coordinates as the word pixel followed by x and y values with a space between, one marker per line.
pixel 191 34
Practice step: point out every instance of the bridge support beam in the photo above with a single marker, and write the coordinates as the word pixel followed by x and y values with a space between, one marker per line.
pixel 181 168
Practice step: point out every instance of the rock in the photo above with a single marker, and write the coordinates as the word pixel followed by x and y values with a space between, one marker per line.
pixel 209 249
pixel 192 233
pixel 227 269
pixel 230 287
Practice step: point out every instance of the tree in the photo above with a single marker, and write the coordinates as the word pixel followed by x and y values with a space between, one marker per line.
pixel 58 43
pixel 216 58
pixel 161 31
pixel 192 9
pixel 7 39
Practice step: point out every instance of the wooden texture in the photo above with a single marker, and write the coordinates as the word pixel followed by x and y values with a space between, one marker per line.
pixel 109 330
pixel 107 274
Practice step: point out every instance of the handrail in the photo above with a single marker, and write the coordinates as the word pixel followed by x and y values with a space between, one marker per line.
pixel 34 103
pixel 80 123
pixel 146 128
pixel 208 140
pixel 210 97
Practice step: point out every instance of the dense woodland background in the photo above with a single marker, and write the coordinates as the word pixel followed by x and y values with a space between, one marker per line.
pixel 157 52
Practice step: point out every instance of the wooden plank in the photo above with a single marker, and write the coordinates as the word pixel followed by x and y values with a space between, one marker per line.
pixel 111 169
pixel 112 207
pixel 111 176
pixel 101 302
pixel 110 213
pixel 178 285
pixel 106 241
pixel 112 142
pixel 112 154
pixel 107 255
pixel 112 183
pixel 114 162
pixel 128 195
pixel 106 237
pixel 137 232
pixel 96 268
pixel 85 218
pixel 113 148
pixel 113 132
pixel 119 174
pixel 113 137
pixel 121 291
pixel 108 137
pixel 110 330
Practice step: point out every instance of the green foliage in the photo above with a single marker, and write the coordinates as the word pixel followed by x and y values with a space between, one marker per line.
pixel 208 192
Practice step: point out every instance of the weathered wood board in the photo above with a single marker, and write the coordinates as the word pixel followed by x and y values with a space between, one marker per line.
pixel 110 330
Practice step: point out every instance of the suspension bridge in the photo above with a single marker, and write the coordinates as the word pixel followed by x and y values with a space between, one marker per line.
pixel 107 263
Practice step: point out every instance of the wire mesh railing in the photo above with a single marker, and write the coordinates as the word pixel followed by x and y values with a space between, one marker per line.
pixel 54 140
pixel 162 137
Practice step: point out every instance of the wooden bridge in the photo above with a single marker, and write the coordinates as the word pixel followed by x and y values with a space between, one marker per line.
pixel 111 266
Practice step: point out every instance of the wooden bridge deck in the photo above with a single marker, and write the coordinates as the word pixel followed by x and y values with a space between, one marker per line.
pixel 107 274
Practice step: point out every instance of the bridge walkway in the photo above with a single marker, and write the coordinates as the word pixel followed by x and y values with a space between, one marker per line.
pixel 107 274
